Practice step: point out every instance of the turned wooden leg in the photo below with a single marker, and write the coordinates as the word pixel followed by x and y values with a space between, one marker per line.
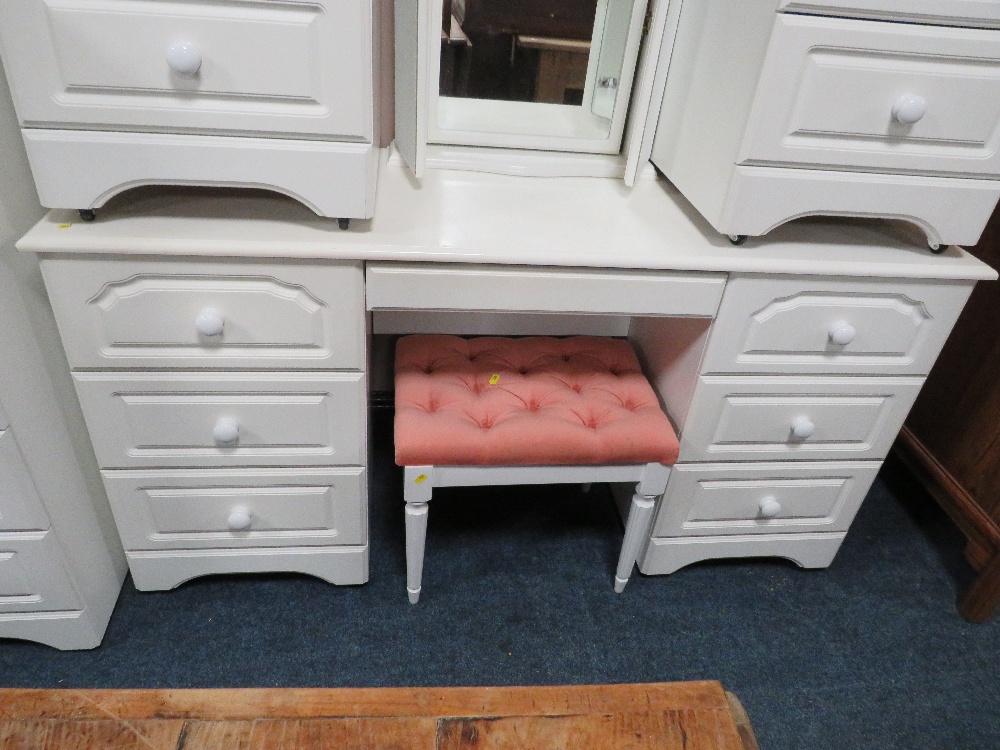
pixel 980 601
pixel 640 518
pixel 416 536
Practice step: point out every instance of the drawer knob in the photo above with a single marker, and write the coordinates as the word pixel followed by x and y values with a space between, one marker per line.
pixel 239 518
pixel 802 427
pixel 909 108
pixel 184 58
pixel 842 333
pixel 769 507
pixel 210 322
pixel 226 431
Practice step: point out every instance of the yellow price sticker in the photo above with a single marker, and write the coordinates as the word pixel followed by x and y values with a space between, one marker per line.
pixel 65 226
pixel 420 479
pixel 495 379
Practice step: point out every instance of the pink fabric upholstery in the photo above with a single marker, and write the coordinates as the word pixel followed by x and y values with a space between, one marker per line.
pixel 529 401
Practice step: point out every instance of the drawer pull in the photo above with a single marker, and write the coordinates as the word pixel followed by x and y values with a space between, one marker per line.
pixel 842 333
pixel 769 507
pixel 184 58
pixel 226 431
pixel 909 108
pixel 802 427
pixel 239 518
pixel 210 322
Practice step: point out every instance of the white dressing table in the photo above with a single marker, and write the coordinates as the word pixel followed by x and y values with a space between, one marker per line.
pixel 787 364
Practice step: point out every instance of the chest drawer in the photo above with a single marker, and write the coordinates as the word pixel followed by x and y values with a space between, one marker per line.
pixel 762 498
pixel 33 575
pixel 147 419
pixel 198 509
pixel 191 313
pixel 20 507
pixel 814 325
pixel 737 419
pixel 288 67
pixel 873 95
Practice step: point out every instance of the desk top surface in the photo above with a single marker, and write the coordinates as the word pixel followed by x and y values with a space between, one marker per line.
pixel 469 217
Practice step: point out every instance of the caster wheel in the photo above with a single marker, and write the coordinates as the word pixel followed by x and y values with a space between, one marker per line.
pixel 937 249
pixel 344 223
pixel 737 239
pixel 88 214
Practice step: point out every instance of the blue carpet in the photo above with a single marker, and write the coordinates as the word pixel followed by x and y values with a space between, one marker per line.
pixel 518 590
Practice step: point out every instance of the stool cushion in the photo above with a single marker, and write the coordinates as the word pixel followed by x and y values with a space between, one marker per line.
pixel 526 401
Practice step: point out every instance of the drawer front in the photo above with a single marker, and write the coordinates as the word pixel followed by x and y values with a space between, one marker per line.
pixel 32 577
pixel 979 13
pixel 563 290
pixel 795 324
pixel 830 86
pixel 190 313
pixel 762 498
pixel 199 509
pixel 289 67
pixel 736 419
pixel 20 507
pixel 139 420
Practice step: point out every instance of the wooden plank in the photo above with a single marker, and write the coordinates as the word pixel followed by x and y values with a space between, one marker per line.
pixel 310 734
pixel 218 704
pixel 107 734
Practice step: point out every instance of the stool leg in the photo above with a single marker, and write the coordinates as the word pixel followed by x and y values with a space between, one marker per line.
pixel 640 518
pixel 416 536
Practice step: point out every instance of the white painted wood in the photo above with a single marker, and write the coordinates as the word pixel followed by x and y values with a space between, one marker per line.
pixel 671 352
pixel 190 509
pixel 128 314
pixel 479 476
pixel 441 287
pixel 83 169
pixel 465 323
pixel 33 574
pixel 21 508
pixel 166 419
pixel 976 13
pixel 412 33
pixel 463 217
pixel 290 68
pixel 745 418
pixel 161 570
pixel 416 538
pixel 69 630
pixel 828 86
pixel 522 162
pixel 640 518
pixel 663 556
pixel 782 325
pixel 727 499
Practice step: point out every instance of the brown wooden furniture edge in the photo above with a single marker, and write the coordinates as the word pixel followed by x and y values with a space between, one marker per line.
pixel 982 532
pixel 300 703
pixel 747 737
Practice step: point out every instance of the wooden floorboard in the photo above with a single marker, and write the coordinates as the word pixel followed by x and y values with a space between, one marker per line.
pixel 665 716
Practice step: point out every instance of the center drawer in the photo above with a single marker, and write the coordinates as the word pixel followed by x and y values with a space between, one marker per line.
pixel 224 419
pixel 197 313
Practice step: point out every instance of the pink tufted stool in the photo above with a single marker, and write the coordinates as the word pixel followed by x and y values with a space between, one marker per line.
pixel 536 410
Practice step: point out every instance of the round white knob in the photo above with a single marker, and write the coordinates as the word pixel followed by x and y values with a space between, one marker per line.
pixel 769 507
pixel 210 322
pixel 184 58
pixel 239 518
pixel 802 427
pixel 909 108
pixel 226 431
pixel 842 333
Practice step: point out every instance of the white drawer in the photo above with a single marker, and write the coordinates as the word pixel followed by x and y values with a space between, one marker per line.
pixel 829 86
pixel 20 507
pixel 762 498
pixel 199 509
pixel 33 576
pixel 748 418
pixel 147 313
pixel 288 67
pixel 139 420
pixel 563 290
pixel 788 324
